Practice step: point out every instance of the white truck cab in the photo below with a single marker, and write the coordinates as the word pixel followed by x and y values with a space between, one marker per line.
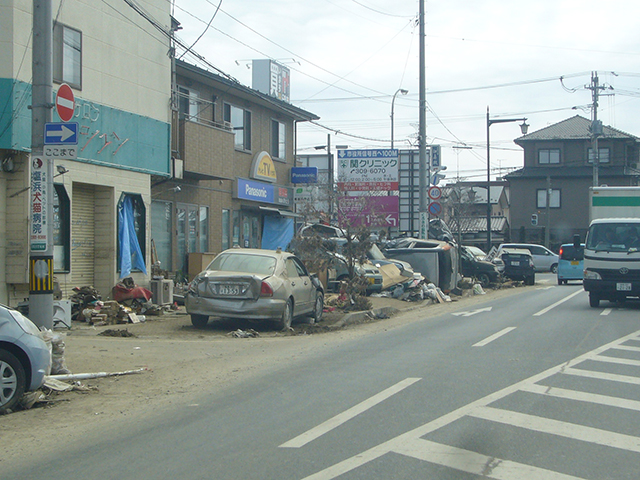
pixel 612 247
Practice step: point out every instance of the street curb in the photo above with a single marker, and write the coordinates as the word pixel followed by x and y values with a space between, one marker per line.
pixel 359 317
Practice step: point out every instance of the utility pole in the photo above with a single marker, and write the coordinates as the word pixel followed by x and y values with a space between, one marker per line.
pixel 41 171
pixel 596 126
pixel 422 133
pixel 547 230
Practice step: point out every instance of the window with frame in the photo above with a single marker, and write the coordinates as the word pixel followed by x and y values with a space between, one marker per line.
pixel 603 154
pixel 278 146
pixel 204 228
pixel 548 156
pixel 240 121
pixel 67 55
pixel 161 232
pixel 226 231
pixel 61 229
pixel 188 104
pixel 554 198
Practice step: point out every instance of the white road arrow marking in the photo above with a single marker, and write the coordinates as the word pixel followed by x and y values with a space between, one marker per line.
pixel 473 312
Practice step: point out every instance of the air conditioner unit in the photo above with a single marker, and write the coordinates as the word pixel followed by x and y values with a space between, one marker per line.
pixel 162 292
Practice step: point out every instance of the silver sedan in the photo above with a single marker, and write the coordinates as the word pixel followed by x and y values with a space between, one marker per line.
pixel 255 284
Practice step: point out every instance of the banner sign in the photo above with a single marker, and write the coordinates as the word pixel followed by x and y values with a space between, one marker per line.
pixel 39 209
pixel 368 170
pixel 370 211
pixel 263 192
pixel 304 174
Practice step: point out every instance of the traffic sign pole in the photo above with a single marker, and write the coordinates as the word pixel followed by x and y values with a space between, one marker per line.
pixel 41 248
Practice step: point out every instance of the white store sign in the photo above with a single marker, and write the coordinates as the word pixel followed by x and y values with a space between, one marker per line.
pixel 367 170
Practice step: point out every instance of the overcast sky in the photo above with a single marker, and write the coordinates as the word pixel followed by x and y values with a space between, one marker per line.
pixel 348 58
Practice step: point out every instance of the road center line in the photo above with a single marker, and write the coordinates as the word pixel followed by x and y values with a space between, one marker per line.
pixel 545 310
pixel 606 311
pixel 310 435
pixel 493 337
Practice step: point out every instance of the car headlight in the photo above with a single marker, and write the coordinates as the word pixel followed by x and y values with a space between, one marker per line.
pixel 193 287
pixel 25 324
pixel 591 275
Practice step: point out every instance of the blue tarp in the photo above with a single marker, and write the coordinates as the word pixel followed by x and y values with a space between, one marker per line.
pixel 277 232
pixel 130 251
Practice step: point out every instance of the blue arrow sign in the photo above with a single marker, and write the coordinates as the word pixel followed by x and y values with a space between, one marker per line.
pixel 60 133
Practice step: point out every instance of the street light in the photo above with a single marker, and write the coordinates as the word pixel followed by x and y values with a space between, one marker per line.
pixel 524 128
pixel 403 92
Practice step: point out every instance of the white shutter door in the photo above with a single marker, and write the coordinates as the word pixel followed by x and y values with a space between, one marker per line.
pixel 82 235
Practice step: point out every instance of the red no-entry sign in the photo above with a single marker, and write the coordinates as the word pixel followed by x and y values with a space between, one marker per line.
pixel 65 102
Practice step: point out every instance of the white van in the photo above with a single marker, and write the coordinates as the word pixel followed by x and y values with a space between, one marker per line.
pixel 543 259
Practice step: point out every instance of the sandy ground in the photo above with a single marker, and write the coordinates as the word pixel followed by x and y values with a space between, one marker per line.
pixel 180 362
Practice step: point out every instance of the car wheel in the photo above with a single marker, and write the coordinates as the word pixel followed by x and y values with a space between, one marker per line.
pixel 560 282
pixel 318 307
pixel 530 280
pixel 12 381
pixel 594 301
pixel 199 321
pixel 554 268
pixel 287 316
pixel 484 280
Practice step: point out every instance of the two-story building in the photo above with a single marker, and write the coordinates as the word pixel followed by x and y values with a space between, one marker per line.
pixel 464 207
pixel 232 149
pixel 552 187
pixel 116 63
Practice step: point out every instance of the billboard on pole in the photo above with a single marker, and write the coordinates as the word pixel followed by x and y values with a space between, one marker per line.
pixel 368 170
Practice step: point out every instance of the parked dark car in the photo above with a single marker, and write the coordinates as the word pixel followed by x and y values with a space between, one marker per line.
pixel 485 272
pixel 518 265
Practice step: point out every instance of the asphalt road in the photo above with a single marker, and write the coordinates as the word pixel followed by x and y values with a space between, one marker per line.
pixel 533 386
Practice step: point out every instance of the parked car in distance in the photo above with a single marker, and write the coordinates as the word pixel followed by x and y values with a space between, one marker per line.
pixel 475 251
pixel 255 284
pixel 378 258
pixel 485 272
pixel 518 265
pixel 25 358
pixel 543 258
pixel 571 263
pixel 339 271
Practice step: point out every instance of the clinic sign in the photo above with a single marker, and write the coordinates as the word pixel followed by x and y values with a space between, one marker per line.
pixel 38 238
pixel 263 192
pixel 368 170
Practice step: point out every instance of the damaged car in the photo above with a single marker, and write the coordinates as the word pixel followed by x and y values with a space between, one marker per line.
pixel 25 358
pixel 255 284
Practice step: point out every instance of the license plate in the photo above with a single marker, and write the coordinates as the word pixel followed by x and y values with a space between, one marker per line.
pixel 372 280
pixel 515 264
pixel 575 262
pixel 228 290
pixel 623 287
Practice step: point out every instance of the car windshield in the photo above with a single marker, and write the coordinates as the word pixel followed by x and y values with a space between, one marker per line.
pixel 569 252
pixel 613 237
pixel 242 262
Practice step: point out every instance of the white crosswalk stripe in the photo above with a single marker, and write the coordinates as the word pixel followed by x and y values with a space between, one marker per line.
pixel 413 444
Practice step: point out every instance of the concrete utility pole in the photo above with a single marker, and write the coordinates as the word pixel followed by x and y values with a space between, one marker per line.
pixel 596 126
pixel 422 133
pixel 41 170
